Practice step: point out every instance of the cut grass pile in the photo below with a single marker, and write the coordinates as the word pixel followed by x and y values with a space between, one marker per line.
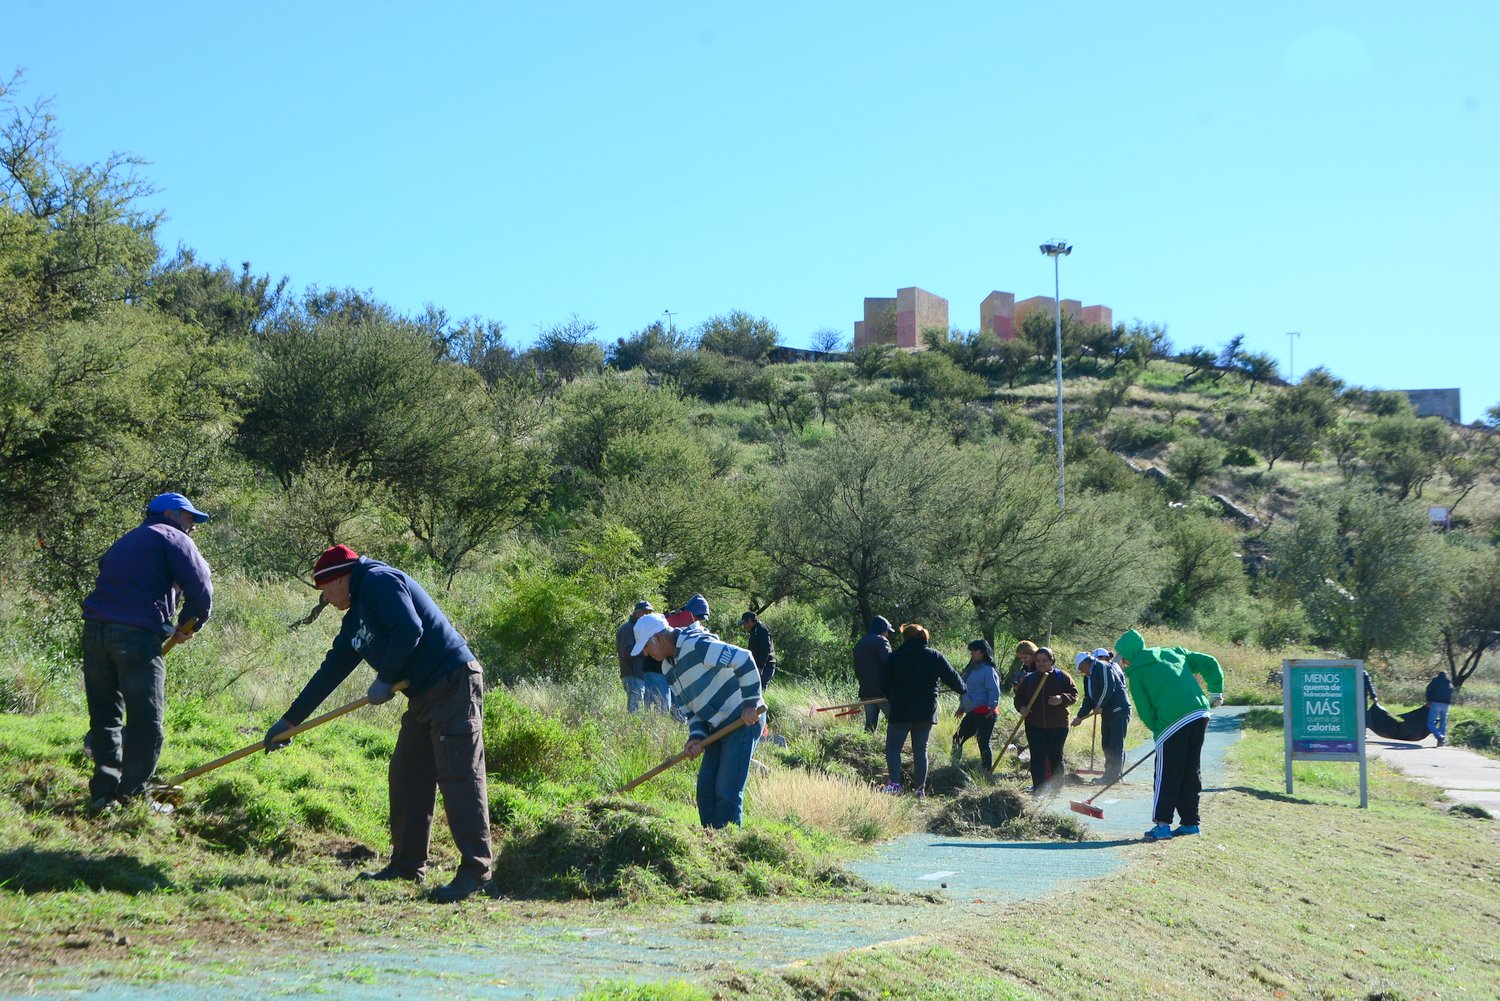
pixel 1004 814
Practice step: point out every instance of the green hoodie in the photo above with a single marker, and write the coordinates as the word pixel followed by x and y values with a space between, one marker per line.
pixel 1162 685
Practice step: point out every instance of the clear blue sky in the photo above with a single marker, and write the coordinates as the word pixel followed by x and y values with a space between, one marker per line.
pixel 1329 168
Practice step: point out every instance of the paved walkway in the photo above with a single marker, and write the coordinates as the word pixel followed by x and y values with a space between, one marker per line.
pixel 1463 776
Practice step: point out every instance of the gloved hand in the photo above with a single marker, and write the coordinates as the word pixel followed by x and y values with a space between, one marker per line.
pixel 1215 700
pixel 277 729
pixel 380 693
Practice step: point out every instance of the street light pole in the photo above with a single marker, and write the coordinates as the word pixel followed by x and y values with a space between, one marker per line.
pixel 1291 355
pixel 671 327
pixel 1056 250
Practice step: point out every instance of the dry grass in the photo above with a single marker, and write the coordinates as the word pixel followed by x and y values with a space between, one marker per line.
pixel 830 803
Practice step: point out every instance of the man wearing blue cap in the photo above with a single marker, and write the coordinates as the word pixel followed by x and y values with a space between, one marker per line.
pixel 126 618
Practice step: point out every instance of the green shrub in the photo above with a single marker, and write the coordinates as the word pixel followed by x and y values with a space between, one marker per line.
pixel 1137 436
pixel 1476 728
pixel 524 745
pixel 1241 456
pixel 805 644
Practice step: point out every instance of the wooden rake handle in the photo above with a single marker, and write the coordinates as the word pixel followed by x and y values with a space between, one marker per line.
pixel 189 627
pixel 848 705
pixel 682 756
pixel 1141 761
pixel 1020 722
pixel 261 745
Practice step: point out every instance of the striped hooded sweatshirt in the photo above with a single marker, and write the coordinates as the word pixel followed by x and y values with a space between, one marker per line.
pixel 711 680
pixel 1162 683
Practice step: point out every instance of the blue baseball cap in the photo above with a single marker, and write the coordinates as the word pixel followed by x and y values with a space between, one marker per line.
pixel 165 503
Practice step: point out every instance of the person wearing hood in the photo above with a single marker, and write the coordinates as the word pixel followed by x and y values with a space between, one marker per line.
pixel 1164 687
pixel 1104 694
pixel 129 614
pixel 391 623
pixel 870 654
pixel 910 681
pixel 980 702
pixel 1047 692
pixel 715 683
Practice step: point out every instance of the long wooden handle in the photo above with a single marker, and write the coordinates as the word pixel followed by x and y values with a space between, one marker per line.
pixel 1101 792
pixel 849 705
pixel 682 756
pixel 189 627
pixel 260 745
pixel 1020 722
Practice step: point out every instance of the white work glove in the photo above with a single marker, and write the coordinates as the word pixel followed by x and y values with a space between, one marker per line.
pixel 1215 700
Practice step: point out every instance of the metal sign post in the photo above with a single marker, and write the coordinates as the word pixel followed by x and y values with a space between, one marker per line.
pixel 1323 702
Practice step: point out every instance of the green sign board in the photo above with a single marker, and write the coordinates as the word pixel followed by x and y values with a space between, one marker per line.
pixel 1324 714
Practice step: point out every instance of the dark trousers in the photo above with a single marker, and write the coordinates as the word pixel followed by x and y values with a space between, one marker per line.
pixel 980 726
pixel 1046 752
pixel 1178 779
pixel 123 679
pixel 441 746
pixel 1112 728
pixel 895 737
pixel 872 715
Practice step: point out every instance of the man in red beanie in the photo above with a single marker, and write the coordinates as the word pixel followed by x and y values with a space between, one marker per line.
pixel 392 623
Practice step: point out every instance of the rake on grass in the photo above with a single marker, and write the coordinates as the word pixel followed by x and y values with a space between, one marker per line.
pixel 171 790
pixel 1087 807
pixel 682 756
pixel 848 705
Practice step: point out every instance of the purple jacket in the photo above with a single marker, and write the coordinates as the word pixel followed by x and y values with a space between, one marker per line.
pixel 139 575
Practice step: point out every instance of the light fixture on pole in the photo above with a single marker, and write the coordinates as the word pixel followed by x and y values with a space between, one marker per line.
pixel 671 327
pixel 1056 250
pixel 1291 355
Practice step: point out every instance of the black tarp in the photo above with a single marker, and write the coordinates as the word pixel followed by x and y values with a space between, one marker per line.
pixel 1411 725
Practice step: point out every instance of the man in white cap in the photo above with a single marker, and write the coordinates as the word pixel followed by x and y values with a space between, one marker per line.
pixel 1104 692
pixel 714 683
pixel 126 618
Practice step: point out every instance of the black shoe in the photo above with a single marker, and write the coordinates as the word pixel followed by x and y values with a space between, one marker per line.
pixel 392 872
pixel 103 805
pixel 464 886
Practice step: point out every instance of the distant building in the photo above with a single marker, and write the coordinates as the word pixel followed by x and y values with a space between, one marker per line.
pixel 1435 403
pixel 900 321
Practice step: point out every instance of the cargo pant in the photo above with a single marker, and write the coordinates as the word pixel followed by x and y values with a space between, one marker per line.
pixel 441 746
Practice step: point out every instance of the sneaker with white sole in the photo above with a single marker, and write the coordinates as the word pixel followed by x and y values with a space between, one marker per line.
pixel 892 789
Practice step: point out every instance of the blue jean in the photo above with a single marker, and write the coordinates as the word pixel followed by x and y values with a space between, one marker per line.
pixel 124 678
pixel 895 737
pixel 1112 729
pixel 658 692
pixel 1437 719
pixel 722 773
pixel 872 717
pixel 635 692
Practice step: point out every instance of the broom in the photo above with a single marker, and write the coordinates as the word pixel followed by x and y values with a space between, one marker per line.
pixel 1087 807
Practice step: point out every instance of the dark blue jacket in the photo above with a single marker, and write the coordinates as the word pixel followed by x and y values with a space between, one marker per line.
pixel 393 625
pixel 1440 690
pixel 138 574
pixel 1104 689
pixel 910 681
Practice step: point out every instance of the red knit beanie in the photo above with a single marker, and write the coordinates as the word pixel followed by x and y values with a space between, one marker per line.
pixel 335 562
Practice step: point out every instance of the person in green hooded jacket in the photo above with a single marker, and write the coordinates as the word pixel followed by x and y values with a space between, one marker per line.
pixel 1169 700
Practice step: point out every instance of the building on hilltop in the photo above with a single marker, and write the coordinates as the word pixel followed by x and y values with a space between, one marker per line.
pixel 900 321
pixel 1435 403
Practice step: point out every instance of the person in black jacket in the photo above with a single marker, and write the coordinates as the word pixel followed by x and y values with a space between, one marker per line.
pixel 1439 695
pixel 760 647
pixel 870 654
pixel 910 683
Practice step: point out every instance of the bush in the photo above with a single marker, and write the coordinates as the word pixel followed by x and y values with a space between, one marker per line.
pixel 525 746
pixel 1137 436
pixel 805 644
pixel 1242 456
pixel 1476 728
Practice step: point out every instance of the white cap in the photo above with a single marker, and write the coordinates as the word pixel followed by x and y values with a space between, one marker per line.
pixel 1102 654
pixel 1079 658
pixel 646 627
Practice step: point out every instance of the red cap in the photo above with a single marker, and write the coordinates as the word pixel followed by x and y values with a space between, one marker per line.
pixel 333 564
